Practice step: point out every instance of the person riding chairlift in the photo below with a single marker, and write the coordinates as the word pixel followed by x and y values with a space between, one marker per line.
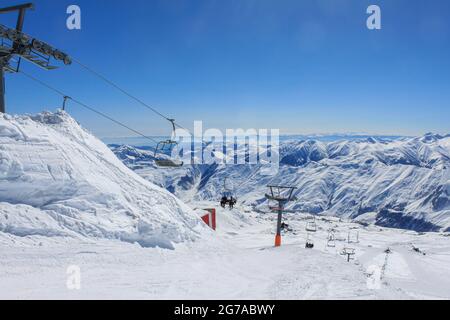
pixel 232 202
pixel 223 202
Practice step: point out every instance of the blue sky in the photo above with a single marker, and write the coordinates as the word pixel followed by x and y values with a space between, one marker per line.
pixel 301 66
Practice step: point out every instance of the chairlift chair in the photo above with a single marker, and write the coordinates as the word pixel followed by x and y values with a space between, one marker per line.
pixel 167 146
pixel 228 196
pixel 311 225
pixel 226 191
pixel 339 236
pixel 331 242
pixel 353 237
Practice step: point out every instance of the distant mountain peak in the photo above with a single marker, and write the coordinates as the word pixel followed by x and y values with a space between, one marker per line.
pixel 431 137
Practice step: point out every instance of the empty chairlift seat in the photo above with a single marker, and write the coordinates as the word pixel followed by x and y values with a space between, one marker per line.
pixel 164 150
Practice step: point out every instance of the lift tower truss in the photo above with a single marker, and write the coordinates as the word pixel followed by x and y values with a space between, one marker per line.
pixel 281 195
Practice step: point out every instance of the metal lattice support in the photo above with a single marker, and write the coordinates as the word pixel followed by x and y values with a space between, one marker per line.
pixel 15 43
pixel 2 89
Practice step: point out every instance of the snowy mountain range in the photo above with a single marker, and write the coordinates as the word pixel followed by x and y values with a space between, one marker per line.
pixel 402 183
pixel 56 179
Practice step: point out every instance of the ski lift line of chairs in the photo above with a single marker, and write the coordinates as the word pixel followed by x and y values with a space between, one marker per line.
pixel 167 146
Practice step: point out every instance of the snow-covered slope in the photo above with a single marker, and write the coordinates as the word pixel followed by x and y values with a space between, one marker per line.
pixel 402 183
pixel 56 179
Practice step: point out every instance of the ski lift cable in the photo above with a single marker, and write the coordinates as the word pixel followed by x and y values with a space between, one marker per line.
pixel 66 96
pixel 111 83
pixel 59 92
pixel 116 86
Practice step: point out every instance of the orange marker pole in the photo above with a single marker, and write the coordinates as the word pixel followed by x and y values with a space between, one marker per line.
pixel 278 236
pixel 278 240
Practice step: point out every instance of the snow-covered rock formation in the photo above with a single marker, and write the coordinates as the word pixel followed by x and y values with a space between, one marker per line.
pixel 56 179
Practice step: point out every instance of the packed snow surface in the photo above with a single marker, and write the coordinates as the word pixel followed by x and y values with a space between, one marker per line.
pixel 56 179
pixel 240 262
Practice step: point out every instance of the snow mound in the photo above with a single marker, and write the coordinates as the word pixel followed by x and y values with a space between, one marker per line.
pixel 56 179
